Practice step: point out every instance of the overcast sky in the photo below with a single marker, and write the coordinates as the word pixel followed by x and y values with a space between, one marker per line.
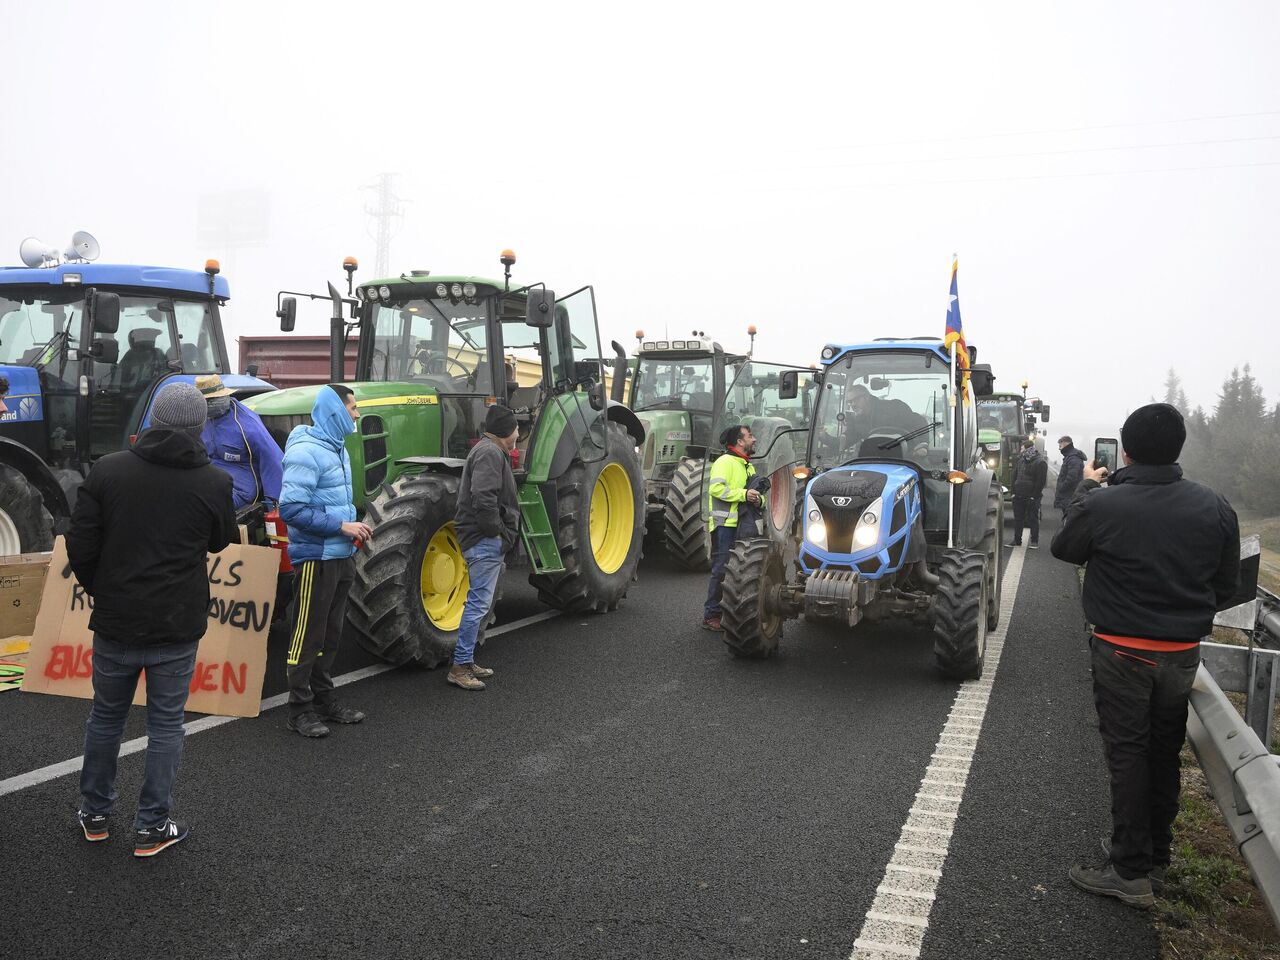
pixel 1109 174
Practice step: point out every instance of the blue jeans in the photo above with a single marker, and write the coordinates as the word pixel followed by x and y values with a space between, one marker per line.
pixel 484 565
pixel 116 667
pixel 722 539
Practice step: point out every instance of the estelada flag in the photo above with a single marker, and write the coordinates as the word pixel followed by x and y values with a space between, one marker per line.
pixel 954 339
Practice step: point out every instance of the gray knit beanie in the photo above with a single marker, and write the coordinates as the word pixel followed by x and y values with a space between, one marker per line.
pixel 179 406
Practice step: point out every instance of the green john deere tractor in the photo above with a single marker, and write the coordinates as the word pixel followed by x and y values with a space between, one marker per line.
pixel 1004 421
pixel 434 352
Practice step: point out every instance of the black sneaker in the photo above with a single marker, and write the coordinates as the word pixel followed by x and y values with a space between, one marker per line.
pixel 94 826
pixel 1034 545
pixel 309 725
pixel 340 714
pixel 1104 881
pixel 1158 875
pixel 1016 543
pixel 149 842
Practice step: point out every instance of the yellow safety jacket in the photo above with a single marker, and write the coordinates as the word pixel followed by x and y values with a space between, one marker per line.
pixel 727 489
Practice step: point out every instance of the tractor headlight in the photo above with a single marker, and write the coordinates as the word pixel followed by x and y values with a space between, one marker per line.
pixel 442 290
pixel 815 516
pixel 817 535
pixel 867 533
pixel 468 290
pixel 828 352
pixel 993 462
pixel 384 292
pixel 371 294
pixel 455 291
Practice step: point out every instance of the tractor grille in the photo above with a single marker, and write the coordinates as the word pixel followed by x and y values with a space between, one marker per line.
pixel 374 436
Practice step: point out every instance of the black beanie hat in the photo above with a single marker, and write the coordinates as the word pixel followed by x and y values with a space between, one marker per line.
pixel 1154 434
pixel 500 421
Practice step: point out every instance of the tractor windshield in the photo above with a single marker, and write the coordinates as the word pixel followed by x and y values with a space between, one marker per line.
pixel 881 405
pixel 433 341
pixel 31 326
pixel 674 383
pixel 1004 416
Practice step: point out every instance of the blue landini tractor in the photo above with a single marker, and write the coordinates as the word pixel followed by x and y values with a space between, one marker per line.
pixel 895 514
pixel 85 347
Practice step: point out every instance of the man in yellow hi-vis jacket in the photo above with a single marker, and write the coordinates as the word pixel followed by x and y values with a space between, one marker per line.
pixel 727 489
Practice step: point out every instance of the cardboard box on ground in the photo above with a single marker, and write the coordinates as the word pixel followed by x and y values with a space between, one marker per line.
pixel 230 663
pixel 21 584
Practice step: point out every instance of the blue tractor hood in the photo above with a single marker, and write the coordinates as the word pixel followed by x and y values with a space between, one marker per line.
pixel 860 517
pixel 170 279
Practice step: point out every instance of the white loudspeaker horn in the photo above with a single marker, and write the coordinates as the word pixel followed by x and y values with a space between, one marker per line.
pixel 83 246
pixel 34 253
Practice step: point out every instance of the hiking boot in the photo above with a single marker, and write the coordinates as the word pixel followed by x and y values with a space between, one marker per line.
pixel 460 675
pixel 149 842
pixel 94 826
pixel 309 725
pixel 483 673
pixel 339 713
pixel 1158 875
pixel 1035 545
pixel 1103 881
pixel 712 624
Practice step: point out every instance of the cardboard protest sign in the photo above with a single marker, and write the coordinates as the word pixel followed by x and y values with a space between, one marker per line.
pixel 21 584
pixel 230 663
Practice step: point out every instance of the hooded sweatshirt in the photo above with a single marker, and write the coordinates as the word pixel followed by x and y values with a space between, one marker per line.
pixel 315 495
pixel 143 522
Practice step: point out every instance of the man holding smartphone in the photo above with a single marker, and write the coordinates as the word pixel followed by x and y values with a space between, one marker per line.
pixel 1162 555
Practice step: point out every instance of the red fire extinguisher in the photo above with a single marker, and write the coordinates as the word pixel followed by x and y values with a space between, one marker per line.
pixel 278 535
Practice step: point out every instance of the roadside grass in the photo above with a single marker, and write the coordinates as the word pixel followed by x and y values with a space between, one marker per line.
pixel 1268 528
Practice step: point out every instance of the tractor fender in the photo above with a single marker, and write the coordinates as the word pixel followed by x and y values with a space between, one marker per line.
pixel 622 414
pixel 971 512
pixel 28 463
pixel 571 438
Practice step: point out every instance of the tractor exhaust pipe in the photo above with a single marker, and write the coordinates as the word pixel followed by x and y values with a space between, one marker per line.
pixel 619 388
pixel 926 576
pixel 337 339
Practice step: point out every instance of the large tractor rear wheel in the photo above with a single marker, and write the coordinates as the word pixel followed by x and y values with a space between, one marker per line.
pixel 411 580
pixel 688 540
pixel 25 525
pixel 752 624
pixel 960 615
pixel 993 547
pixel 600 530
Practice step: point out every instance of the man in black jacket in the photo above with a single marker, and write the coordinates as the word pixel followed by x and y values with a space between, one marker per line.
pixel 488 523
pixel 144 520
pixel 1069 474
pixel 1163 555
pixel 1030 473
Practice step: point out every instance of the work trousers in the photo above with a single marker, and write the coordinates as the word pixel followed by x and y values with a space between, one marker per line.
pixel 116 668
pixel 320 589
pixel 1142 697
pixel 722 540
pixel 1026 510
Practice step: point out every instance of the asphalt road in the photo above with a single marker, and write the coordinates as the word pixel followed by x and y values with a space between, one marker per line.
pixel 623 789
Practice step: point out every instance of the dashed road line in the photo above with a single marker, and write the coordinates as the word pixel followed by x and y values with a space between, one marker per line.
pixel 892 927
pixel 34 778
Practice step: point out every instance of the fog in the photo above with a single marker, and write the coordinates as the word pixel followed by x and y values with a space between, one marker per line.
pixel 1107 173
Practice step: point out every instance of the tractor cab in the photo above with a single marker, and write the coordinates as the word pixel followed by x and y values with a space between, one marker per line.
pixel 86 346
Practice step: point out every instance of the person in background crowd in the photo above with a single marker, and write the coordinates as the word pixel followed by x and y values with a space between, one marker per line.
pixel 4 392
pixel 729 486
pixel 316 504
pixel 1069 474
pixel 238 443
pixel 1163 556
pixel 1030 473
pixel 144 520
pixel 488 524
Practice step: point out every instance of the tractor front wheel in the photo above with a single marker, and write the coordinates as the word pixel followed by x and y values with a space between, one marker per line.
pixel 960 615
pixel 752 624
pixel 600 532
pixel 25 525
pixel 411 580
pixel 688 539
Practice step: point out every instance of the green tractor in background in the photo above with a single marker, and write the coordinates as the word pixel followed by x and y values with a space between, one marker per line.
pixel 680 389
pixel 1004 421
pixel 434 352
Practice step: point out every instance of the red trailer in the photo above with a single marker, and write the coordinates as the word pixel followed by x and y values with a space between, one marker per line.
pixel 293 361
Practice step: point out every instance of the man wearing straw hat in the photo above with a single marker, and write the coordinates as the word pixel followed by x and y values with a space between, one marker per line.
pixel 239 444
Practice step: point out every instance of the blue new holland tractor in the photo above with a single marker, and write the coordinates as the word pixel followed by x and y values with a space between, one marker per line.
pixel 895 516
pixel 85 346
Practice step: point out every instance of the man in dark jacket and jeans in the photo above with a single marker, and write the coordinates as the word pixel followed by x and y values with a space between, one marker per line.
pixel 143 522
pixel 1069 474
pixel 488 523
pixel 1030 473
pixel 1163 555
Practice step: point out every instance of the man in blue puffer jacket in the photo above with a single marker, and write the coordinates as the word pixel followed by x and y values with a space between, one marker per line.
pixel 316 504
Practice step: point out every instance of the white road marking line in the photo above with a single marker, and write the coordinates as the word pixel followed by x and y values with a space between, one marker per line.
pixel 967 713
pixel 55 770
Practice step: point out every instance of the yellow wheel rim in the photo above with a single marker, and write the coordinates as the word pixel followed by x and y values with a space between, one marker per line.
pixel 613 518
pixel 444 579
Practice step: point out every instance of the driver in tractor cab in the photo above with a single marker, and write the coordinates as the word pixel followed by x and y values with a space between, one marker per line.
pixel 866 412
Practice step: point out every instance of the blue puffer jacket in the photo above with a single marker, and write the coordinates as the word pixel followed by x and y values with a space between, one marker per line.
pixel 315 496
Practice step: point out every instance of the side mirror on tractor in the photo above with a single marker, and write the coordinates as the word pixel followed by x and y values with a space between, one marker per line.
pixel 1044 413
pixel 105 351
pixel 983 380
pixel 540 308
pixel 788 384
pixel 288 314
pixel 105 311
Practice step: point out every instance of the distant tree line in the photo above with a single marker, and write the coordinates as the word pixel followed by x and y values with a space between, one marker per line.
pixel 1236 448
